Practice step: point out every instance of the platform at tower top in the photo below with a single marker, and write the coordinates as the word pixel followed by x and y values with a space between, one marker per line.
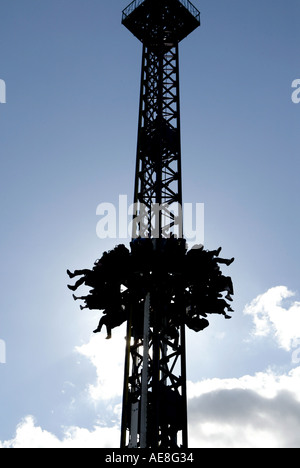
pixel 156 21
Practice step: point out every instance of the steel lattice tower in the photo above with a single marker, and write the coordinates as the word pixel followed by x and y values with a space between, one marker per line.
pixel 154 399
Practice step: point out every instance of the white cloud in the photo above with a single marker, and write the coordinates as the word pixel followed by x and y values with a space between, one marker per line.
pixel 265 384
pixel 108 357
pixel 29 435
pixel 262 410
pixel 271 316
pixel 254 411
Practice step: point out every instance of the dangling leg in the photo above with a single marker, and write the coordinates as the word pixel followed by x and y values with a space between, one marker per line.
pixel 76 286
pixel 224 261
pixel 101 323
pixel 108 332
pixel 79 298
pixel 77 273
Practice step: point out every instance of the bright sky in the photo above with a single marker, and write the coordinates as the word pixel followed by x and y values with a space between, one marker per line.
pixel 68 143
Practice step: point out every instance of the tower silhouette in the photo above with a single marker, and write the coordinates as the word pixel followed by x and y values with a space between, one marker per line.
pixel 157 287
pixel 154 400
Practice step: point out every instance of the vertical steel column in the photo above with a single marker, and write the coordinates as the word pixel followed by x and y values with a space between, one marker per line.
pixel 145 376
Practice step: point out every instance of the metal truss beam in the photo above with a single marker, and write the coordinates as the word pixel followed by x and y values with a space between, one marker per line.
pixel 155 387
pixel 158 168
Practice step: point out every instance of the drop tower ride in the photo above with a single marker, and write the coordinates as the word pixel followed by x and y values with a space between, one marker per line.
pixel 154 399
pixel 158 287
